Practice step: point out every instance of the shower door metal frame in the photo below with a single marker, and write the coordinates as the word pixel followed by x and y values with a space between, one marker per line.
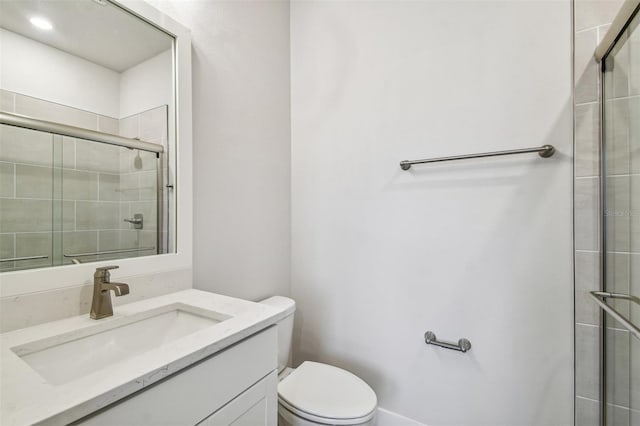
pixel 628 10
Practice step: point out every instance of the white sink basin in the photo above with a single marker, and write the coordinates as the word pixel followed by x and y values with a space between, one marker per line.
pixel 64 358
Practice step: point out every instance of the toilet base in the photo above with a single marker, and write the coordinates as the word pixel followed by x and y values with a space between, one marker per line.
pixel 287 418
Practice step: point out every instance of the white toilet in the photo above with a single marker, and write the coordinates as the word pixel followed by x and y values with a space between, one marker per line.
pixel 316 393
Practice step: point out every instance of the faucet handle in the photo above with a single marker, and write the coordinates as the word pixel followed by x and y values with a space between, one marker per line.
pixel 103 272
pixel 106 268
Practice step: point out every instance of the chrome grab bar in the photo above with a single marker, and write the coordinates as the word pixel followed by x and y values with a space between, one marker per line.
pixel 600 298
pixel 108 252
pixel 463 344
pixel 544 151
pixel 17 259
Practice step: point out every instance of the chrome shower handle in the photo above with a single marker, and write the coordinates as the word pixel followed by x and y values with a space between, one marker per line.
pixel 137 221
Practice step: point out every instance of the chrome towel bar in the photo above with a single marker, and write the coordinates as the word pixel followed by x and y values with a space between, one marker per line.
pixel 463 345
pixel 18 259
pixel 109 252
pixel 601 297
pixel 544 151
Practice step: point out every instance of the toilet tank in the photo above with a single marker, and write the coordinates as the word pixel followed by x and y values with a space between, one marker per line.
pixel 285 327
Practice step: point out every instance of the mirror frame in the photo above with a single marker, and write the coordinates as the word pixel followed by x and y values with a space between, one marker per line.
pixel 16 283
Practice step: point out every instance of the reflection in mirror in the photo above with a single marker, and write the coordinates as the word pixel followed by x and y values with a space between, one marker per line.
pixel 70 196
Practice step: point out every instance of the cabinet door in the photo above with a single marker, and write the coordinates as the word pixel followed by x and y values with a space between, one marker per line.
pixel 194 393
pixel 258 405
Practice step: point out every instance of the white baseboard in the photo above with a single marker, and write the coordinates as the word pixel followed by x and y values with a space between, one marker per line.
pixel 389 418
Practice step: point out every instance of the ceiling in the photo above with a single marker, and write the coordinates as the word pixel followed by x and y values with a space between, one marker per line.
pixel 95 30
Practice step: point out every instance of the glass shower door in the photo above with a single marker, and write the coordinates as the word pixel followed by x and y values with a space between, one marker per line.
pixel 26 198
pixel 68 200
pixel 110 202
pixel 621 178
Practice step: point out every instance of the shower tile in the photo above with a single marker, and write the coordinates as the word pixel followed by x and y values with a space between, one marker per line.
pixel 13 141
pixel 618 273
pixel 129 127
pixel 7 250
pixel 634 63
pixel 634 288
pixel 57 113
pixel 109 185
pixel 634 134
pixel 33 244
pixel 68 222
pixel 618 416
pixel 96 215
pixel 587 279
pixel 634 217
pixel 617 137
pixel 97 157
pixel 125 212
pixel 129 187
pixel 587 412
pixel 108 125
pixel 34 181
pixel 115 240
pixel 68 152
pixel 6 101
pixel 118 240
pixel 79 185
pixel 21 215
pixel 148 186
pixel 148 239
pixel 7 177
pixel 618 366
pixel 586 69
pixel 587 125
pixel 153 124
pixel 79 242
pixel 618 213
pixel 634 398
pixel 586 213
pixel 587 361
pixel 126 161
pixel 591 13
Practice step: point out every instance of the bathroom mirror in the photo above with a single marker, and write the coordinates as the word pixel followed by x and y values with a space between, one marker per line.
pixel 88 136
pixel 109 71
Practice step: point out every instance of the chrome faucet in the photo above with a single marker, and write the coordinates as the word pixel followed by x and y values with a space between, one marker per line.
pixel 101 306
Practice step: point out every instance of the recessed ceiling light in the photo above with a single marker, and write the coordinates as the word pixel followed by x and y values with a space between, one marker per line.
pixel 41 23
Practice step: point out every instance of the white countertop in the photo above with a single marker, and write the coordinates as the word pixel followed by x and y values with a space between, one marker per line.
pixel 27 398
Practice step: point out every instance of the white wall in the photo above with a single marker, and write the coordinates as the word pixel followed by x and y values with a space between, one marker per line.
pixel 41 71
pixel 241 127
pixel 477 249
pixel 147 85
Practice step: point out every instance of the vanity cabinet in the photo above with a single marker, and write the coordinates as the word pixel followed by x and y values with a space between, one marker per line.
pixel 235 386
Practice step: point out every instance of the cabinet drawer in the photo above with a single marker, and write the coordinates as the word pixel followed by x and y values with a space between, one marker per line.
pixel 191 395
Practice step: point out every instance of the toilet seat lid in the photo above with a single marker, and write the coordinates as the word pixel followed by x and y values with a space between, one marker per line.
pixel 327 392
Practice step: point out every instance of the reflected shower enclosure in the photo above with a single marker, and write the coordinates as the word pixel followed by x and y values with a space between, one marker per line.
pixel 87 135
pixel 70 200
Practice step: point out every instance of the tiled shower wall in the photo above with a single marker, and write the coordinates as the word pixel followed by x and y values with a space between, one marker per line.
pixel 591 19
pixel 101 184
